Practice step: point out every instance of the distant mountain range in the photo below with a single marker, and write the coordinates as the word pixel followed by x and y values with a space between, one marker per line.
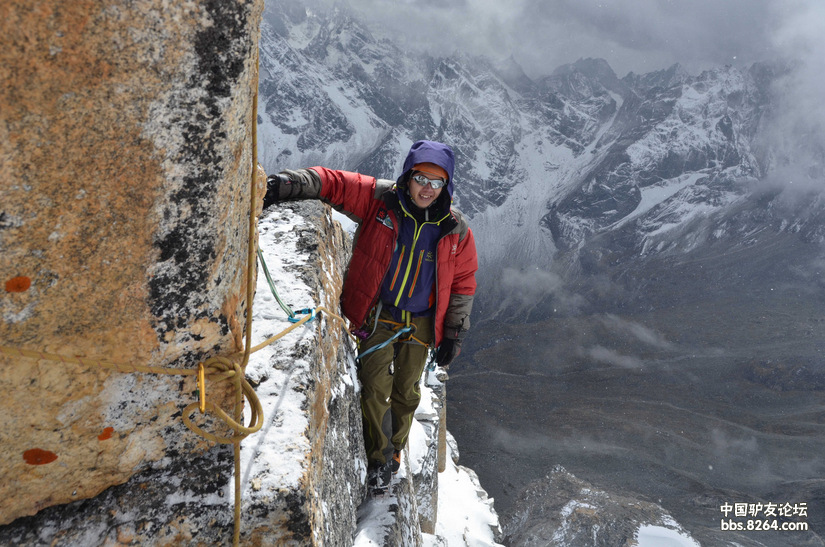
pixel 572 180
pixel 661 198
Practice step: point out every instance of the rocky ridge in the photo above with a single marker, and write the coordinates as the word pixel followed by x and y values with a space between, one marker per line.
pixel 564 510
pixel 303 474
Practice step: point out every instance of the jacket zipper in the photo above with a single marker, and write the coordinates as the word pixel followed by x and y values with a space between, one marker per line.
pixel 398 267
pixel 416 234
pixel 435 303
pixel 417 271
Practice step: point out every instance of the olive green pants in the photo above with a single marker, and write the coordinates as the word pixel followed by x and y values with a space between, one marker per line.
pixel 389 385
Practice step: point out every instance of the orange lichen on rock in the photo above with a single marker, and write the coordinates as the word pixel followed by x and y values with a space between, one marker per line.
pixel 107 434
pixel 18 284
pixel 38 456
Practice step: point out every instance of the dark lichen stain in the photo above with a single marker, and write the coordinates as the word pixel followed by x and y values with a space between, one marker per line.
pixel 177 292
pixel 299 523
pixel 214 45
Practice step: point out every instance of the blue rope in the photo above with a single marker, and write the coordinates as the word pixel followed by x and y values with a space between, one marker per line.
pixel 386 342
pixel 295 319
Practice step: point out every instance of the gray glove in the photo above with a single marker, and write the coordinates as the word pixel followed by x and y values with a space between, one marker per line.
pixel 291 185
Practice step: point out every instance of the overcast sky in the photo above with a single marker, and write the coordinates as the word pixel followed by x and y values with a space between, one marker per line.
pixel 632 35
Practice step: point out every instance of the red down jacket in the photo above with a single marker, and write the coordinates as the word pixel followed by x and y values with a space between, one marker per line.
pixel 373 204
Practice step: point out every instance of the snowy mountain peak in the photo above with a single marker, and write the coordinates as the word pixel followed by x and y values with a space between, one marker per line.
pixel 512 73
pixel 673 76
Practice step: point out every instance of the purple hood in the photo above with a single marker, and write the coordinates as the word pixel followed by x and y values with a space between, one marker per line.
pixel 432 152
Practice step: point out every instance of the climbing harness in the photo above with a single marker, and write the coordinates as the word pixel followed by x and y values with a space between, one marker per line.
pixel 401 328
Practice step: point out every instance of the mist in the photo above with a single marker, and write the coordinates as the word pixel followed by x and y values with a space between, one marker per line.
pixel 608 356
pixel 795 133
pixel 637 331
pixel 632 35
pixel 640 36
pixel 525 289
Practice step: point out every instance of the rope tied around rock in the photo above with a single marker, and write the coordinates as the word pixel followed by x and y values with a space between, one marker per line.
pixel 215 369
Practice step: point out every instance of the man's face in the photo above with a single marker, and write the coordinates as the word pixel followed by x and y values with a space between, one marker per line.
pixel 424 196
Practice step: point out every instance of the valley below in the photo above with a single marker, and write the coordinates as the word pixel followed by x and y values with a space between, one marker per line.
pixel 709 397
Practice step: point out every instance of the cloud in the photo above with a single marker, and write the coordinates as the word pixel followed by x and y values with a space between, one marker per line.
pixel 795 132
pixel 577 441
pixel 644 35
pixel 632 35
pixel 726 446
pixel 625 330
pixel 524 289
pixel 635 330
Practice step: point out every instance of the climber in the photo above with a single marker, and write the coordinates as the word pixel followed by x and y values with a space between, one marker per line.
pixel 412 271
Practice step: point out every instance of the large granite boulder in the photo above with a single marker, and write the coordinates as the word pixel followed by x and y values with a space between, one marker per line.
pixel 302 475
pixel 125 169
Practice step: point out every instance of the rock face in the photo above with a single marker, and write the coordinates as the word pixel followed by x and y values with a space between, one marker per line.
pixel 303 474
pixel 126 160
pixel 304 471
pixel 563 510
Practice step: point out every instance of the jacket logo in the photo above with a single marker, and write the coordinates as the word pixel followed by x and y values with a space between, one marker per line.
pixel 454 249
pixel 384 218
pixel 430 257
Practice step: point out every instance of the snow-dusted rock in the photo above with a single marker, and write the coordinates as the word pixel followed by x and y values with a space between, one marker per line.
pixel 564 510
pixel 126 161
pixel 302 474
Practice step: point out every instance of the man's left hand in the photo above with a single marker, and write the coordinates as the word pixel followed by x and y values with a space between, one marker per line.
pixel 447 351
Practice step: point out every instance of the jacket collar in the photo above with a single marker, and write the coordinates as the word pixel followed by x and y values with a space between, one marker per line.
pixel 393 201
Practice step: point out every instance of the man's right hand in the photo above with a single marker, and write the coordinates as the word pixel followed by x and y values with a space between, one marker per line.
pixel 274 190
pixel 290 185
